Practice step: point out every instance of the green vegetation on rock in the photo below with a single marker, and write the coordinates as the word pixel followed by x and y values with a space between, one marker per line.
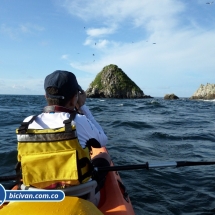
pixel 97 81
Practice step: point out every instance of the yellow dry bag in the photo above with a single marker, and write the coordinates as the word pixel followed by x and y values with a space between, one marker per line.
pixel 49 156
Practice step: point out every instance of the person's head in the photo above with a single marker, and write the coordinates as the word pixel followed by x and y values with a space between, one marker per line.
pixel 60 86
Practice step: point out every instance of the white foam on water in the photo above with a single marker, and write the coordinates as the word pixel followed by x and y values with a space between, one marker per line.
pixel 213 100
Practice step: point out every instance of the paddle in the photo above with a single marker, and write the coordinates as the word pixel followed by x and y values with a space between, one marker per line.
pixel 8 177
pixel 147 165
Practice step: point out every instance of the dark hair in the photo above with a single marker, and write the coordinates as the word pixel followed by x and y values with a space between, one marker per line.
pixel 57 101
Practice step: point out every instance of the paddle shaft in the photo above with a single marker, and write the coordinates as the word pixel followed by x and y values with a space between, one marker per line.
pixel 8 177
pixel 146 165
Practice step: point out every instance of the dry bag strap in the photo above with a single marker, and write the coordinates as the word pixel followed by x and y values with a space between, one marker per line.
pixel 18 174
pixel 24 125
pixel 83 162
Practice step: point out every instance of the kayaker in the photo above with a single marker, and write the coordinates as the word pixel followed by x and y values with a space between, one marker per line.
pixel 66 100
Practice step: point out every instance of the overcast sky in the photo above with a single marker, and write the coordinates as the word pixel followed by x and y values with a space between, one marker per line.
pixel 164 46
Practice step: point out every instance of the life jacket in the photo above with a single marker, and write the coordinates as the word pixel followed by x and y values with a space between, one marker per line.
pixel 50 156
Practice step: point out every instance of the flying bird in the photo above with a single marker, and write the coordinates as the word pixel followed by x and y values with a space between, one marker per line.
pixel 210 2
pixel 154 43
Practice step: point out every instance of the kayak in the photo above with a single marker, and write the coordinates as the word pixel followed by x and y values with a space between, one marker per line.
pixel 113 200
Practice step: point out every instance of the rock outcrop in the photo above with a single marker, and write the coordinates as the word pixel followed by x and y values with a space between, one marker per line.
pixel 205 92
pixel 112 82
pixel 170 96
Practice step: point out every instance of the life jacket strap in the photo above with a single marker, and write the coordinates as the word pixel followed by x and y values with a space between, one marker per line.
pixel 24 125
pixel 67 122
pixel 56 108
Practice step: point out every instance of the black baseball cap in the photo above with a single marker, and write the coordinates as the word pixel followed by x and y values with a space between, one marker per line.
pixel 64 81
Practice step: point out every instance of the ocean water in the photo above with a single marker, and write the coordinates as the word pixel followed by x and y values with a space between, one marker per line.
pixel 141 130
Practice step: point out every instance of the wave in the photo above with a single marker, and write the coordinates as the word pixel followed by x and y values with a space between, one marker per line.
pixel 140 131
pixel 183 137
pixel 131 124
pixel 213 100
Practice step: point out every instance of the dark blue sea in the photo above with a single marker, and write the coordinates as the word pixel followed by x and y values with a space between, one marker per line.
pixel 153 130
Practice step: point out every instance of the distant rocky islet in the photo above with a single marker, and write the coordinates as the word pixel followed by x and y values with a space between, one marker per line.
pixel 112 82
pixel 206 92
pixel 170 96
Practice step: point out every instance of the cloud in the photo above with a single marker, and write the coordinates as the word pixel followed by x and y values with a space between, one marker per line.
pixel 116 15
pixel 89 41
pixel 95 33
pixel 100 44
pixel 11 32
pixel 30 77
pixel 114 12
pixel 64 57
pixel 30 28
pixel 15 32
pixel 2 83
pixel 44 43
pixel 177 43
pixel 175 57
pixel 18 87
pixel 24 29
pixel 98 32
pixel 103 44
pixel 25 86
pixel 183 48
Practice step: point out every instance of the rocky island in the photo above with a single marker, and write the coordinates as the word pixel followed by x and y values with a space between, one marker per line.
pixel 205 92
pixel 112 82
pixel 170 96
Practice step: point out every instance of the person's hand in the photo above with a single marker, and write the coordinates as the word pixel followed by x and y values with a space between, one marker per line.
pixel 81 99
